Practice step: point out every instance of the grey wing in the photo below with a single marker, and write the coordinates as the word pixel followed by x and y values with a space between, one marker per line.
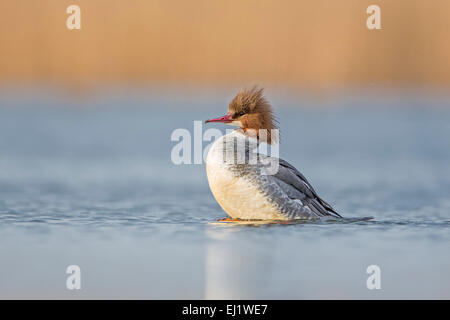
pixel 296 186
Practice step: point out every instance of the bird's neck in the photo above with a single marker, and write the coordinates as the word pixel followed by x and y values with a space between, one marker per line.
pixel 237 143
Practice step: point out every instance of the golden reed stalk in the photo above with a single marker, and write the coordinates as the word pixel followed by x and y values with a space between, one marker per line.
pixel 289 42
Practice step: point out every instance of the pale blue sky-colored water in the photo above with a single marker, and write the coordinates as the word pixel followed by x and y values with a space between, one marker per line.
pixel 90 182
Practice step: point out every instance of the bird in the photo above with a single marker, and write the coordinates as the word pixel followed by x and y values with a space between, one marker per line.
pixel 247 190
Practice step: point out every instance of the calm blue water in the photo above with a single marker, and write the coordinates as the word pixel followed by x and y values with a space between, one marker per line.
pixel 89 181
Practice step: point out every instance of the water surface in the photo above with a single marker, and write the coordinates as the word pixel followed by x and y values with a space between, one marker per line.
pixel 91 183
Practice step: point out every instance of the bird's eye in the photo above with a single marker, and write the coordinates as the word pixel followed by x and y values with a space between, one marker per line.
pixel 241 113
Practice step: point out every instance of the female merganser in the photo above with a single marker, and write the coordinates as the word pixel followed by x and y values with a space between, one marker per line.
pixel 248 190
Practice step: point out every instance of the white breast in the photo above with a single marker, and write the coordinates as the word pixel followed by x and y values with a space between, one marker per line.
pixel 238 197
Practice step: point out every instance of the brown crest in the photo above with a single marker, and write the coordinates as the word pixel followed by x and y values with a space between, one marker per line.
pixel 253 112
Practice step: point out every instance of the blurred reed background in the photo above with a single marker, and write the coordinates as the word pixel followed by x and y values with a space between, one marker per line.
pixel 308 43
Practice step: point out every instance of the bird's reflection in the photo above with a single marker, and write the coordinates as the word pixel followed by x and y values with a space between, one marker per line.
pixel 237 266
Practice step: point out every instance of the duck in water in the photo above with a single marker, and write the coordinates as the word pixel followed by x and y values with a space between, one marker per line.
pixel 249 185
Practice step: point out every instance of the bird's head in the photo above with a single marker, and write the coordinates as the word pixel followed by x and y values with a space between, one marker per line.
pixel 250 111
